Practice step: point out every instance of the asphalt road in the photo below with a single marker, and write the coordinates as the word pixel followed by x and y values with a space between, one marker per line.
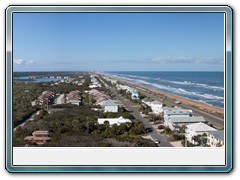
pixel 154 134
pixel 215 121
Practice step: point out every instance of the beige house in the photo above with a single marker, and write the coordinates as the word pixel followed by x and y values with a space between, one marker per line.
pixel 38 137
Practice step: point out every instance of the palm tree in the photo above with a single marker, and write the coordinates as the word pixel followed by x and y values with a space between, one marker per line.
pixel 197 139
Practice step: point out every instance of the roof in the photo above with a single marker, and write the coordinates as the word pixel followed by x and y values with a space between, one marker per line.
pixel 200 127
pixel 178 111
pixel 40 133
pixel 134 92
pixel 187 119
pixel 110 103
pixel 166 108
pixel 156 103
pixel 112 121
pixel 217 134
pixel 147 100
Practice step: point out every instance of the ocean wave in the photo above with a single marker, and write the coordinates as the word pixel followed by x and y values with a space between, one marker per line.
pixel 182 91
pixel 122 77
pixel 198 85
pixel 132 76
pixel 142 82
pixel 205 102
pixel 178 91
pixel 208 96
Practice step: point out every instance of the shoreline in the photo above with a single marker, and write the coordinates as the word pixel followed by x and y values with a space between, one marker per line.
pixel 218 112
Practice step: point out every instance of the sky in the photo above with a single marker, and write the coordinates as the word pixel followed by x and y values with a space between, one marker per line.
pixel 118 41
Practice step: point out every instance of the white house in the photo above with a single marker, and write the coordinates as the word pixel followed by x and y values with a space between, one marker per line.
pixel 112 121
pixel 175 112
pixel 156 107
pixel 134 95
pixel 110 105
pixel 147 101
pixel 215 138
pixel 75 102
pixel 94 82
pixel 173 121
pixel 196 129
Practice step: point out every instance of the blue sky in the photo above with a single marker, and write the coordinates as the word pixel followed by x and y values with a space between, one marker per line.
pixel 118 41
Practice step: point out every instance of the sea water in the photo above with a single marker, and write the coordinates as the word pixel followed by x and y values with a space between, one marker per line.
pixel 206 87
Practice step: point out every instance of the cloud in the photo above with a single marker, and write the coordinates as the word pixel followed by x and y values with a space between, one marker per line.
pixel 29 62
pixel 170 60
pixel 62 63
pixel 210 60
pixel 23 62
pixel 175 59
pixel 18 61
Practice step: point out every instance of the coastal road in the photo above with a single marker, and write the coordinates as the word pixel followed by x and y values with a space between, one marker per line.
pixel 154 134
pixel 215 121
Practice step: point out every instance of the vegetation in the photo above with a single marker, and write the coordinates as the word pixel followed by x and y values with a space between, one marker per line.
pixel 78 126
pixel 72 125
pixel 22 107
pixel 145 109
pixel 156 118
pixel 116 115
pixel 200 139
pixel 178 136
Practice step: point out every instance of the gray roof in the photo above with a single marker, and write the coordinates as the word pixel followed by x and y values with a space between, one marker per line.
pixel 187 119
pixel 156 102
pixel 134 92
pixel 178 111
pixel 147 100
pixel 200 127
pixel 166 108
pixel 217 134
pixel 110 103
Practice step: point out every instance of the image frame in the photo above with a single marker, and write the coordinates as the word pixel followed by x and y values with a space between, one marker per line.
pixel 122 168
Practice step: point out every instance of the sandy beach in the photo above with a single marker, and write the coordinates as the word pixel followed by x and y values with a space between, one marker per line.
pixel 198 105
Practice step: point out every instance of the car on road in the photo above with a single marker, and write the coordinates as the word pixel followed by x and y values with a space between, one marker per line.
pixel 161 126
pixel 148 130
pixel 156 141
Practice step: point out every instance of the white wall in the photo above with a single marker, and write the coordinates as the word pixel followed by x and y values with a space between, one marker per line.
pixel 156 108
pixel 212 141
pixel 111 109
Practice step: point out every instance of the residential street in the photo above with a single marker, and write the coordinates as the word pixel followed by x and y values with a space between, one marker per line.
pixel 154 134
pixel 216 121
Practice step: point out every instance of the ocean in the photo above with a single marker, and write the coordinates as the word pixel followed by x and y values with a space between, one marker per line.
pixel 205 87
